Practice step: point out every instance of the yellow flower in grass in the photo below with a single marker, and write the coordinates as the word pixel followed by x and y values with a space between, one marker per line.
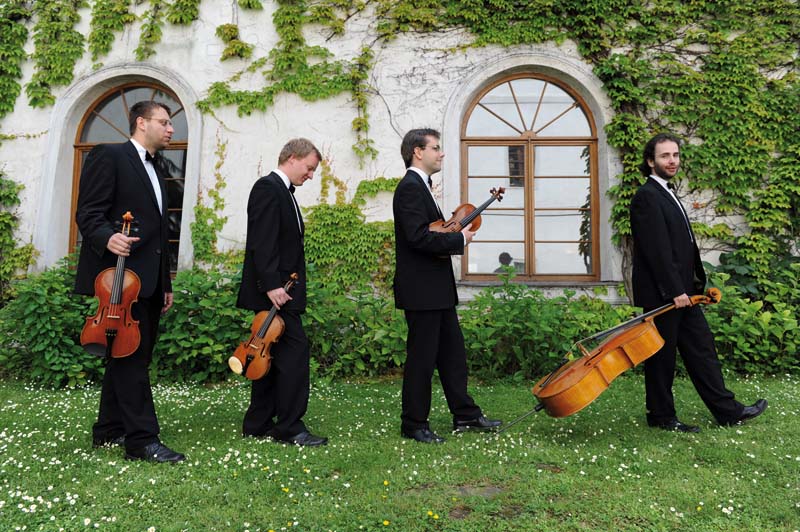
pixel 385 522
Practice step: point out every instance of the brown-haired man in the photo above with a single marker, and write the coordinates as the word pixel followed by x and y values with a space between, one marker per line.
pixel 274 250
pixel 425 288
pixel 667 269
pixel 117 178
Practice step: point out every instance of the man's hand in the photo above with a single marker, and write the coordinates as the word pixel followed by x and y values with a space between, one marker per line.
pixel 467 234
pixel 167 302
pixel 682 301
pixel 279 297
pixel 120 244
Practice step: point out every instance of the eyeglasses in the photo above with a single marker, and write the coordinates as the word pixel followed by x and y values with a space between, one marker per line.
pixel 163 121
pixel 436 148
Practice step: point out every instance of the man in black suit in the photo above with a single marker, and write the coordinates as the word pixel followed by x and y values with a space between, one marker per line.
pixel 425 288
pixel 117 178
pixel 274 250
pixel 667 269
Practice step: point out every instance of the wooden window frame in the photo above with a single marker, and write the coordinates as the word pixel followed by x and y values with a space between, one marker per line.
pixel 530 141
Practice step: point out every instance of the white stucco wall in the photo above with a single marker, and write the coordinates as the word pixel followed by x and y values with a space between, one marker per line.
pixel 418 81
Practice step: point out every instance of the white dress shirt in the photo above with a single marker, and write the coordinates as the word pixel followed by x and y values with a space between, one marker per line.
pixel 151 173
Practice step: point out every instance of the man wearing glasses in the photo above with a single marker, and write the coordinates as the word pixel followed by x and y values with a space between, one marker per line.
pixel 117 178
pixel 425 288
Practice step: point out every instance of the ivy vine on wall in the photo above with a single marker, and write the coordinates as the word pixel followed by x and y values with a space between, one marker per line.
pixel 208 220
pixel 13 257
pixel 722 74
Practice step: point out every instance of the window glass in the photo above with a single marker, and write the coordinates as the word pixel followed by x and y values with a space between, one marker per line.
pixel 561 161
pixel 486 257
pixel 562 192
pixel 562 259
pixel 485 124
pixel 562 225
pixel 502 225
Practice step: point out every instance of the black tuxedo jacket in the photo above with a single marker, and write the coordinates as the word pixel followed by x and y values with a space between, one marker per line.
pixel 666 261
pixel 423 277
pixel 274 248
pixel 114 181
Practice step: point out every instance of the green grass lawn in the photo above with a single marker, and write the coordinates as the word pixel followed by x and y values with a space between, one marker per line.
pixel 599 470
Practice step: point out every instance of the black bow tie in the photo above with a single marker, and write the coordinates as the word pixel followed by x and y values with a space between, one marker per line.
pixel 430 182
pixel 148 157
pixel 291 189
pixel 670 185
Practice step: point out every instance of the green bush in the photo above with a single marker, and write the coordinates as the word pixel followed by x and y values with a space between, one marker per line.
pixel 203 328
pixel 514 330
pixel 40 330
pixel 755 336
pixel 509 330
pixel 354 334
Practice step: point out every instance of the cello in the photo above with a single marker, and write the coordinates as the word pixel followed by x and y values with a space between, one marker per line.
pixel 577 382
pixel 112 331
pixel 252 358
pixel 466 214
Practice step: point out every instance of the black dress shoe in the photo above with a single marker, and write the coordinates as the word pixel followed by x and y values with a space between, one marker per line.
pixel 107 441
pixel 305 439
pixel 154 452
pixel 673 425
pixel 749 412
pixel 480 423
pixel 422 435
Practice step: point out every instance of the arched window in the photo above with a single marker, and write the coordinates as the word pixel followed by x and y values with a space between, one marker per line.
pixel 536 138
pixel 106 122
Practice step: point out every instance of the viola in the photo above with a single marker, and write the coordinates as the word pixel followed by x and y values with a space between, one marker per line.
pixel 112 331
pixel 578 382
pixel 466 214
pixel 252 358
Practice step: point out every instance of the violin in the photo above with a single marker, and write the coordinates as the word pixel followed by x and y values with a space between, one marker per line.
pixel 578 382
pixel 252 358
pixel 112 331
pixel 466 214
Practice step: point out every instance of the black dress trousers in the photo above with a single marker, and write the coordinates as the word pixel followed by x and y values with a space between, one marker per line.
pixel 434 341
pixel 687 330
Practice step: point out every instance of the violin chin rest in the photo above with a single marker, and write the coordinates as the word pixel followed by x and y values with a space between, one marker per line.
pixel 98 350
pixel 235 364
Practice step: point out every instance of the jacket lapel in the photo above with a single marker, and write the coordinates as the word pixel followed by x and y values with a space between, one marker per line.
pixel 433 207
pixel 677 205
pixel 138 167
pixel 288 197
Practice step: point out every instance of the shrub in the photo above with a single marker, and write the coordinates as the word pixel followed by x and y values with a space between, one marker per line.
pixel 514 330
pixel 203 328
pixel 754 336
pixel 356 334
pixel 509 330
pixel 40 330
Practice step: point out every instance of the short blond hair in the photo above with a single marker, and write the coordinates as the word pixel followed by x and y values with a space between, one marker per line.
pixel 299 148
